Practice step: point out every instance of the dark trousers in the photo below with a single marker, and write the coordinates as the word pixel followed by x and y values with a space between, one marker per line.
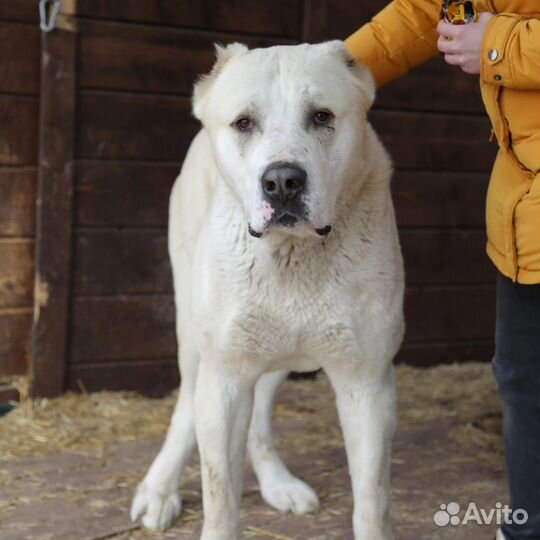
pixel 516 367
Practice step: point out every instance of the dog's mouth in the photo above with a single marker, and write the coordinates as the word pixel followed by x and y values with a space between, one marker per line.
pixel 283 220
pixel 290 218
pixel 286 220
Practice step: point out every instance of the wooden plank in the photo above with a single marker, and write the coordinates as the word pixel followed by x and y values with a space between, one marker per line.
pixel 126 262
pixel 142 327
pixel 16 273
pixel 450 313
pixel 436 141
pixel 446 257
pixel 121 262
pixel 149 59
pixel 430 354
pixel 434 86
pixel 17 201
pixel 53 238
pixel 336 19
pixel 120 126
pixel 154 378
pixel 15 331
pixel 123 328
pixel 21 10
pixel 19 58
pixel 281 18
pixel 18 137
pixel 123 194
pixel 422 199
pixel 161 60
pixel 439 199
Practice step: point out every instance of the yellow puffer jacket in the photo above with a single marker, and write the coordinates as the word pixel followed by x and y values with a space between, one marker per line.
pixel 403 35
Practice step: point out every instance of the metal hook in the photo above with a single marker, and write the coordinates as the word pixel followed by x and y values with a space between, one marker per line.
pixel 44 24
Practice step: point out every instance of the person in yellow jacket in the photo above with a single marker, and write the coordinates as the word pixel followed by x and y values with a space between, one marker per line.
pixel 503 49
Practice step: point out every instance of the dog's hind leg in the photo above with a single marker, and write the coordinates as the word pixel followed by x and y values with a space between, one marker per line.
pixel 279 488
pixel 157 499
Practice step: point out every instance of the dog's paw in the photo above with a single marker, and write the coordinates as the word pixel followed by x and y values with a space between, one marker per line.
pixel 290 495
pixel 158 510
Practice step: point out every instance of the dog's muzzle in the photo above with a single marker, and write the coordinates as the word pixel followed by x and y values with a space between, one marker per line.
pixel 283 185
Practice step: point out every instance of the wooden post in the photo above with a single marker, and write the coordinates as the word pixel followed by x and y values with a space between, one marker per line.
pixel 54 212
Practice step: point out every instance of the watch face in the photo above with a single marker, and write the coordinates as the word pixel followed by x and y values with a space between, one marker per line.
pixel 458 12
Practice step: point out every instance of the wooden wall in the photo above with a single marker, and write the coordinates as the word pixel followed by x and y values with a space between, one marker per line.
pixel 19 111
pixel 135 66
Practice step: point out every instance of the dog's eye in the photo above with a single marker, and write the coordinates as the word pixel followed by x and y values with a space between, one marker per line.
pixel 322 118
pixel 244 124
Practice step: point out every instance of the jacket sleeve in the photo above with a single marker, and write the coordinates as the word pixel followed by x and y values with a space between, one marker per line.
pixel 402 36
pixel 511 52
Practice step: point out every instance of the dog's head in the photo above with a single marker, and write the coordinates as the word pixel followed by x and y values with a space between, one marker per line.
pixel 286 124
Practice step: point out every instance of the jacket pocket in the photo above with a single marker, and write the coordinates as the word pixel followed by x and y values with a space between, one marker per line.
pixel 491 97
pixel 508 186
pixel 527 228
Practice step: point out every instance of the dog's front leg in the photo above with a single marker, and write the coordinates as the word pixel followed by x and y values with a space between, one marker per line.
pixel 223 404
pixel 366 406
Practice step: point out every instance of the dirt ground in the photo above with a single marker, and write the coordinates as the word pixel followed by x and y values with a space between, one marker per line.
pixel 68 467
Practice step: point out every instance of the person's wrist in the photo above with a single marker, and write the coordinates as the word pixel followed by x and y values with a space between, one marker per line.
pixel 487 50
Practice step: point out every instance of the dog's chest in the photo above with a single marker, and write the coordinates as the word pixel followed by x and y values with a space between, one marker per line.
pixel 292 303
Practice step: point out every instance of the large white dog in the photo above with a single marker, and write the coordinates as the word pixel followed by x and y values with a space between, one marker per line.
pixel 286 257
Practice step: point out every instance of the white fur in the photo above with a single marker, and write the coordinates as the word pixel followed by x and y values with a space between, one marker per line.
pixel 249 309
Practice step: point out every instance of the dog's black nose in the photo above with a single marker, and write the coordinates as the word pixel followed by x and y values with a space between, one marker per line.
pixel 283 182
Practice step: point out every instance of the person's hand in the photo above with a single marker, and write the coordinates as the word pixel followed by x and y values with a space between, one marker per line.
pixel 462 44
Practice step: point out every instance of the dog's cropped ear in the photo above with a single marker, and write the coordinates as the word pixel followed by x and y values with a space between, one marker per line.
pixel 366 83
pixel 364 78
pixel 202 86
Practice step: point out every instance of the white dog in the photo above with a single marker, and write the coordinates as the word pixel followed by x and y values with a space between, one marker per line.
pixel 286 257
